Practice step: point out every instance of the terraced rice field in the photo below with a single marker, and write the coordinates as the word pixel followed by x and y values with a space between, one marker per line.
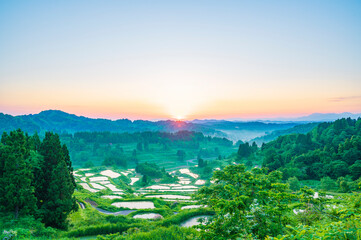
pixel 111 183
pixel 135 205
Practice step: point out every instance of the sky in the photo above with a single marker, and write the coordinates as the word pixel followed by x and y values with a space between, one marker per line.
pixel 180 59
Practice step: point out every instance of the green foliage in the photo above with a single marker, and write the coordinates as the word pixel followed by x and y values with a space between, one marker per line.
pixel 355 169
pixel 181 155
pixel 101 229
pixel 24 227
pixel 145 180
pixel 349 230
pixel 184 215
pixel 245 150
pixel 303 129
pixel 254 204
pixel 202 163
pixel 140 146
pixel 328 184
pixel 247 203
pixel 345 184
pixel 294 184
pixel 123 149
pixel 89 164
pixel 342 222
pixel 330 150
pixel 149 169
pixel 161 233
pixel 36 178
pixel 55 199
pixel 152 170
pixel 16 176
pixel 115 161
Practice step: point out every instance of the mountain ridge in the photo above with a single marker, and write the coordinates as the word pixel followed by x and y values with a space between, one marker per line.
pixel 60 121
pixel 314 117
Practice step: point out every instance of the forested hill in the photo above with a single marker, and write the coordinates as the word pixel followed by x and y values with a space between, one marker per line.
pixel 329 150
pixel 303 128
pixel 58 121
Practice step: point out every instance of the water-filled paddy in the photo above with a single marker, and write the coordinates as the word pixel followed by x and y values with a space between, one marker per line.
pixel 110 173
pixel 193 221
pixel 133 180
pixel 97 186
pixel 112 187
pixel 148 216
pixel 169 196
pixel 186 171
pixel 135 204
pixel 192 206
pixel 86 186
pixel 200 182
pixel 186 187
pixel 97 179
pixel 157 187
pixel 112 197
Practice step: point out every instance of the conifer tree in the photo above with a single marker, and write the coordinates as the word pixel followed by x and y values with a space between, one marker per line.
pixel 55 193
pixel 35 142
pixel 60 201
pixel 68 163
pixel 17 192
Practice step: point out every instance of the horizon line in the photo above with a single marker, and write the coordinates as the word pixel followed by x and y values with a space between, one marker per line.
pixel 231 119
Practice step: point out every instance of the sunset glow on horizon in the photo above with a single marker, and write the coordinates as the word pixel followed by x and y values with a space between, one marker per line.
pixel 182 60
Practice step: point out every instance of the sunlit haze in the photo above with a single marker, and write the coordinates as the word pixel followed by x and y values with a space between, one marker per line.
pixel 180 59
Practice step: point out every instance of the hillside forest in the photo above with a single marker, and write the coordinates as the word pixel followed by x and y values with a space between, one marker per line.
pixel 298 186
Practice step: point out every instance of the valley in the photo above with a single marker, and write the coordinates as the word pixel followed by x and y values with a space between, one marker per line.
pixel 180 120
pixel 161 185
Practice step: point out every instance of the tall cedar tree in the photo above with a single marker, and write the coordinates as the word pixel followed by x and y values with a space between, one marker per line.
pixel 55 192
pixel 16 191
pixel 68 163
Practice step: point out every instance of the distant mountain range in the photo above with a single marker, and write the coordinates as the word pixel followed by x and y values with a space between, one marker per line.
pixel 59 121
pixel 314 117
pixel 324 117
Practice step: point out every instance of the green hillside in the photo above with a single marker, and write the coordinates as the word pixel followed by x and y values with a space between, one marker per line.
pixel 308 187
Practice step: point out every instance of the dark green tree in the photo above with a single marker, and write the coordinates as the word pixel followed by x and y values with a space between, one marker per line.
pixel 55 192
pixel 35 142
pixel 200 162
pixel 146 145
pixel 145 180
pixel 16 192
pixel 89 164
pixel 328 184
pixel 134 156
pixel 355 170
pixel 68 163
pixel 140 146
pixel 244 150
pixel 109 161
pixel 60 201
pixel 181 155
pixel 294 183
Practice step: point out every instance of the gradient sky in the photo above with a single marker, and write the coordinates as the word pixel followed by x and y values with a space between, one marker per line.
pixel 180 59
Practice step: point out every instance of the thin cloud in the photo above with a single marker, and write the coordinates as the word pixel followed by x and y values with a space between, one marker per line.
pixel 342 99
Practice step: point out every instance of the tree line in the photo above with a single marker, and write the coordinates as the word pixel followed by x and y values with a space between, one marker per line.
pixel 331 152
pixel 181 138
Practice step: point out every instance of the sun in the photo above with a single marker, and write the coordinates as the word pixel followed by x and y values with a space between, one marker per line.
pixel 179 117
